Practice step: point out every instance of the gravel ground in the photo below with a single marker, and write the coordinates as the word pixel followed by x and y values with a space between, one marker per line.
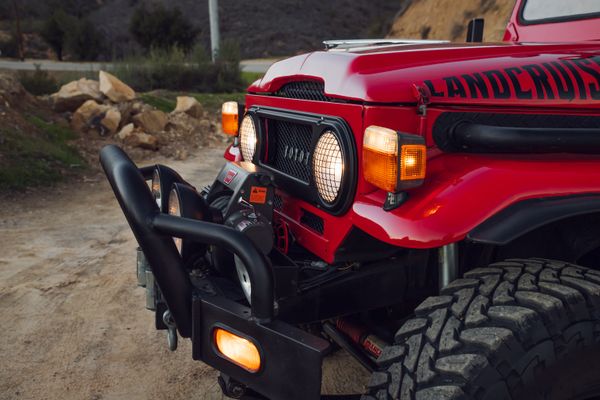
pixel 74 323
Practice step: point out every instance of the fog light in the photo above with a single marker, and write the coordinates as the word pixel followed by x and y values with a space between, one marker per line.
pixel 237 349
pixel 156 192
pixel 175 210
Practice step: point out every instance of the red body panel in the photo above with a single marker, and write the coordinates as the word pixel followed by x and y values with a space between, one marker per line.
pixel 460 190
pixel 543 75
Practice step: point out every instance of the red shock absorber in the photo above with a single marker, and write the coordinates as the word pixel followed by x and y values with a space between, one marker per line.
pixel 360 335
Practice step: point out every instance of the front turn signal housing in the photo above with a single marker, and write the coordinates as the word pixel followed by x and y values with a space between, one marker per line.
pixel 230 117
pixel 237 349
pixel 393 161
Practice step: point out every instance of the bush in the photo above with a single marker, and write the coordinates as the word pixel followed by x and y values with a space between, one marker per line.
pixel 85 42
pixel 39 82
pixel 55 31
pixel 78 36
pixel 161 28
pixel 10 48
pixel 171 69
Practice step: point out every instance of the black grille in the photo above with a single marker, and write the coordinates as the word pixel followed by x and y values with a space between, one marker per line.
pixel 304 90
pixel 289 148
pixel 312 221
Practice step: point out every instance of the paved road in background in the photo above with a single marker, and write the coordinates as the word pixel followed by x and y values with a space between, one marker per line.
pixel 258 66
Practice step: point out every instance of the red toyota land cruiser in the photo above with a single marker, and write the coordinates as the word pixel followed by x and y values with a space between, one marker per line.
pixel 366 179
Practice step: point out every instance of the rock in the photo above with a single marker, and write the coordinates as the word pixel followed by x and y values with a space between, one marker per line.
pixel 153 121
pixel 190 106
pixel 114 89
pixel 88 116
pixel 143 140
pixel 139 107
pixel 72 95
pixel 126 110
pixel 125 131
pixel 111 120
pixel 204 126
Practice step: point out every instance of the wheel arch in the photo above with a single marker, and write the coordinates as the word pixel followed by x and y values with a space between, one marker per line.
pixel 529 215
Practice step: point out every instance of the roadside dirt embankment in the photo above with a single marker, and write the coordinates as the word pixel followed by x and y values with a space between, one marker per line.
pixel 448 19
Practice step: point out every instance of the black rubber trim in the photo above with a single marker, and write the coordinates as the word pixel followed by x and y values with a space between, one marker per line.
pixel 517 133
pixel 499 139
pixel 528 215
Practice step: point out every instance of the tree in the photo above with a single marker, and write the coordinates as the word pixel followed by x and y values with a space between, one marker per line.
pixel 85 42
pixel 162 28
pixel 54 31
pixel 79 36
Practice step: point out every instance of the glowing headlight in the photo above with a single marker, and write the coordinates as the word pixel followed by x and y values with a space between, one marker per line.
pixel 328 166
pixel 156 187
pixel 248 138
pixel 175 209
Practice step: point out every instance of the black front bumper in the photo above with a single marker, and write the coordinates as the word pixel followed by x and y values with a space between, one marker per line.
pixel 291 359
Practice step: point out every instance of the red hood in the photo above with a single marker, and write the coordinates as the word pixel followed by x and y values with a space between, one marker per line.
pixel 489 74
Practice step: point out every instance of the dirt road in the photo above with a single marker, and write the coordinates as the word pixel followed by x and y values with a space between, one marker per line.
pixel 73 322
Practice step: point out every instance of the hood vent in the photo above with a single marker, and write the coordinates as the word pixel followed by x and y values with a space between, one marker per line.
pixel 304 90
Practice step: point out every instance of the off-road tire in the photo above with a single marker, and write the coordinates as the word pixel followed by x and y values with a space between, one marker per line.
pixel 519 329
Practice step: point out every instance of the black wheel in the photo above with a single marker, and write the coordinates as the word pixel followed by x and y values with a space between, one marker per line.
pixel 519 329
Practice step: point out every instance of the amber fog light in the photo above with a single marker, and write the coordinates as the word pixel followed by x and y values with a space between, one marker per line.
pixel 328 166
pixel 393 161
pixel 237 349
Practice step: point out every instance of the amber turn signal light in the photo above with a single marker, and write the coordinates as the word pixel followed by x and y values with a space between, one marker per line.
pixel 393 161
pixel 237 349
pixel 230 118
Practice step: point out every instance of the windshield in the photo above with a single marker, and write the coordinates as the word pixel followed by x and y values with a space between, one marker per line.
pixel 538 10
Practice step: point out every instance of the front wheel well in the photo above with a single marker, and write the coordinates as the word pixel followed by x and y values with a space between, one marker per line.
pixel 574 239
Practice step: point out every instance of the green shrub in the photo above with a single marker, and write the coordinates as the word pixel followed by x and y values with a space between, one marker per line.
pixel 10 48
pixel 85 42
pixel 39 82
pixel 159 27
pixel 77 36
pixel 172 69
pixel 55 30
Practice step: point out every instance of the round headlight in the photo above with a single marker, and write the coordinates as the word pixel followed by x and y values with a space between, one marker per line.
pixel 156 188
pixel 328 166
pixel 248 138
pixel 175 209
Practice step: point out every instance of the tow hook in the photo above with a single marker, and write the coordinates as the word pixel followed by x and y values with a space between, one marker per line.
pixel 172 330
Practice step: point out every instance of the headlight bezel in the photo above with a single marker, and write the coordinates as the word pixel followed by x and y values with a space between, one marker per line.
pixel 318 123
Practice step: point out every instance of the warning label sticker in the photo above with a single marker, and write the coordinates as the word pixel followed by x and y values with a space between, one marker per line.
pixel 258 195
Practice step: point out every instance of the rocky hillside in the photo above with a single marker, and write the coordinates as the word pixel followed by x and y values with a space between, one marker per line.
pixel 448 19
pixel 262 28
